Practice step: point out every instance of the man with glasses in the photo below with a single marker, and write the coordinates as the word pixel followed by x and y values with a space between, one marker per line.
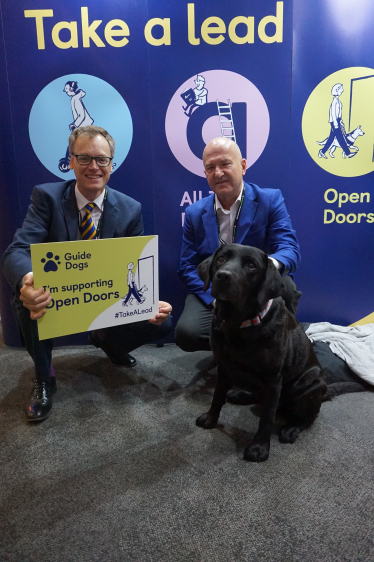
pixel 58 213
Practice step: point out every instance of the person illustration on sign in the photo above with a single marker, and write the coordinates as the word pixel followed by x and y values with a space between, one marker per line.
pixel 195 97
pixel 337 131
pixel 81 117
pixel 133 290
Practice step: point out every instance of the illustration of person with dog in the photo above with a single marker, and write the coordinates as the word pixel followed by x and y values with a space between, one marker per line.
pixel 236 212
pixel 133 290
pixel 337 132
pixel 195 97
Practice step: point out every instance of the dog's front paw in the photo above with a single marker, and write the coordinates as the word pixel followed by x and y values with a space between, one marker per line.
pixel 206 421
pixel 257 452
pixel 289 434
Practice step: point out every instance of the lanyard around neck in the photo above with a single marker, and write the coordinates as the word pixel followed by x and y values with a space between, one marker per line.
pixel 98 228
pixel 236 217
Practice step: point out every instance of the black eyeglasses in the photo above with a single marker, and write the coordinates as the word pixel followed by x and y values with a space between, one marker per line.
pixel 85 160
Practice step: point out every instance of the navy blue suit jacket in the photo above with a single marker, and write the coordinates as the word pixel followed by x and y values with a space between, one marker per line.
pixel 264 223
pixel 53 217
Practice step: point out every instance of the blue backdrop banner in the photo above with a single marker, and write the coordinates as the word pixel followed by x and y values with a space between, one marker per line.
pixel 165 78
pixel 332 161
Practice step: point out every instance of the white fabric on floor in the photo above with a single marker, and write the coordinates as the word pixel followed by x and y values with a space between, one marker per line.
pixel 355 345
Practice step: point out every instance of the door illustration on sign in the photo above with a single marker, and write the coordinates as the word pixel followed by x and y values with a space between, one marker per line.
pixel 139 292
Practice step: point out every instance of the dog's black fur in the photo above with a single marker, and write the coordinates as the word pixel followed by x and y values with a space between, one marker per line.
pixel 273 360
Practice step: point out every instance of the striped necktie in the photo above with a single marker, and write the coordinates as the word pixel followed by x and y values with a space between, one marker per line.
pixel 87 227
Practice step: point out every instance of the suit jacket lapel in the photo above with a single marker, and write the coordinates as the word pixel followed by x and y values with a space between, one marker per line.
pixel 210 226
pixel 70 210
pixel 109 215
pixel 247 215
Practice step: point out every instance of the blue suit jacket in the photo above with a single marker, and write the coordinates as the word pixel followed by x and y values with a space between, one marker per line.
pixel 264 223
pixel 53 217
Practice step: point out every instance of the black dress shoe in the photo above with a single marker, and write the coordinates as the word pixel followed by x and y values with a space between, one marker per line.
pixel 125 360
pixel 40 405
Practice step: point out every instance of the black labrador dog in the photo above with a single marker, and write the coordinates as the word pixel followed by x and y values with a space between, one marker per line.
pixel 259 346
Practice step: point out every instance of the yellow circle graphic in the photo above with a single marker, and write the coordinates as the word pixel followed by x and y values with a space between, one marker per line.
pixel 338 122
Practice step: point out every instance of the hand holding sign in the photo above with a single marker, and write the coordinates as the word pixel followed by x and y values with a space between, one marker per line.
pixel 35 300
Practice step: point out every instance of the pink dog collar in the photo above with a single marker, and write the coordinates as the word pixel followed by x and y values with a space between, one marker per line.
pixel 258 318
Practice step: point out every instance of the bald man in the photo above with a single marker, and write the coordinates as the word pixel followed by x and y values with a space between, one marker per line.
pixel 236 212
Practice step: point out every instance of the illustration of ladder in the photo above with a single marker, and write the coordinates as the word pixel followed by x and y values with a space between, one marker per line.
pixel 225 120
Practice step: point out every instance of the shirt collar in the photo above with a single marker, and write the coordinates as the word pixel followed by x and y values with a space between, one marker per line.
pixel 82 201
pixel 234 206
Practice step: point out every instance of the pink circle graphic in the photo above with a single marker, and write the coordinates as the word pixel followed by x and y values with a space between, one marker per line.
pixel 222 85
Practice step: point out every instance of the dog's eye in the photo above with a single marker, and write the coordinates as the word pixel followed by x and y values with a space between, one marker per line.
pixel 221 259
pixel 250 265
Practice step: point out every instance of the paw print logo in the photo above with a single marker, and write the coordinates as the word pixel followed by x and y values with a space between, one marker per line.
pixel 51 264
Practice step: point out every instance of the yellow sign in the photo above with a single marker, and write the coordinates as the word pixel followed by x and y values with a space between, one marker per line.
pixel 96 283
pixel 338 124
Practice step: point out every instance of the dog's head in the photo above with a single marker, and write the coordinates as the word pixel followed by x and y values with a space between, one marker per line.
pixel 241 275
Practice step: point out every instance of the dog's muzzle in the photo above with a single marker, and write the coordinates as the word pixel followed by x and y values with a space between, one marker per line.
pixel 223 276
pixel 224 286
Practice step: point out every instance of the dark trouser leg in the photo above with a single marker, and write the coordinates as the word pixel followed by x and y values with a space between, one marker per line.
pixel 330 139
pixel 341 139
pixel 40 351
pixel 127 337
pixel 191 108
pixel 291 295
pixel 192 332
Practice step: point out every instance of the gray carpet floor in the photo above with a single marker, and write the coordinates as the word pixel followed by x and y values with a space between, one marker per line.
pixel 120 471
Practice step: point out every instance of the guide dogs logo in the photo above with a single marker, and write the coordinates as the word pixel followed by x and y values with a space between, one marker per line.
pixel 211 104
pixel 338 122
pixel 51 262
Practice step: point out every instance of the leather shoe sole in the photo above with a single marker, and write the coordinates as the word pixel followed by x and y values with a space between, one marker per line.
pixel 126 360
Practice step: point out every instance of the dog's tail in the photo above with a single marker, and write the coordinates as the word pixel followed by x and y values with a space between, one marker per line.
pixel 337 388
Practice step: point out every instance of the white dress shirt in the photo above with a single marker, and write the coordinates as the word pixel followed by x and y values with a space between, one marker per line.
pixel 226 220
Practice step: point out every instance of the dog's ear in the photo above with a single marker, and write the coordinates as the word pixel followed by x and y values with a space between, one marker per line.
pixel 273 286
pixel 204 271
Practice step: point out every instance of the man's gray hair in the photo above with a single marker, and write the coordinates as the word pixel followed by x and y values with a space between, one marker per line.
pixel 91 131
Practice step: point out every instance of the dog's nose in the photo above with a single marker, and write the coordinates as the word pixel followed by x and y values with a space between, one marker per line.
pixel 223 275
